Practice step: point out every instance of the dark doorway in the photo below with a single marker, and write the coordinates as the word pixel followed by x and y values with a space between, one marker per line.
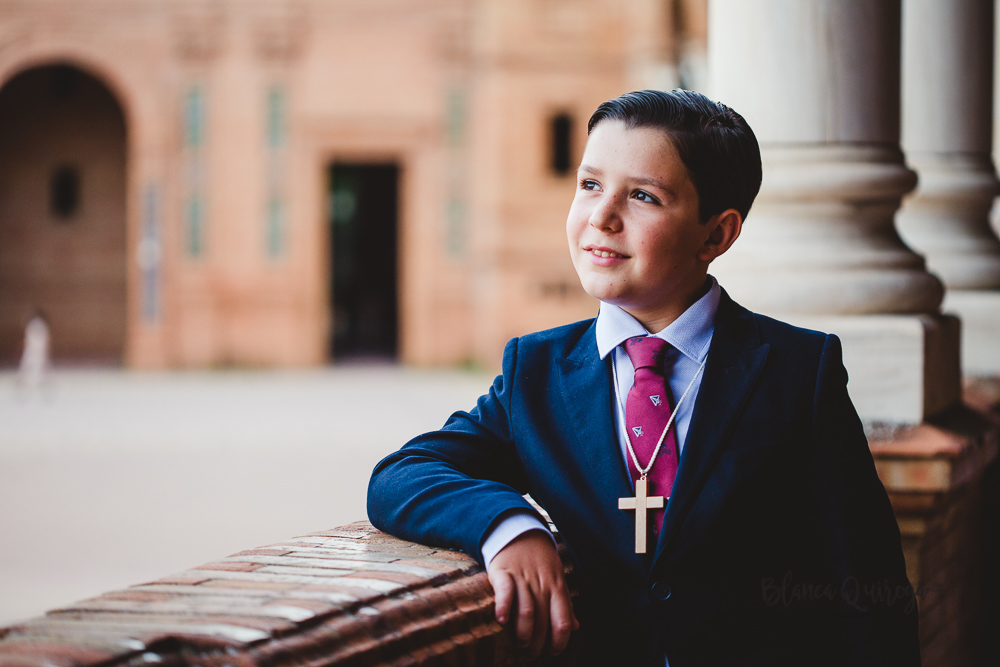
pixel 363 220
pixel 62 213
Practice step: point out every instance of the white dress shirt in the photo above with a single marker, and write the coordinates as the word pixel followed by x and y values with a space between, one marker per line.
pixel 690 336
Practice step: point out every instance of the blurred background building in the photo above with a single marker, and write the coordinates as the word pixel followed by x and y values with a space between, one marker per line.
pixel 282 182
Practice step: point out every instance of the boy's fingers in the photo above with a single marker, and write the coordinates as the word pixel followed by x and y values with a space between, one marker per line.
pixel 541 627
pixel 563 621
pixel 525 627
pixel 503 594
pixel 527 580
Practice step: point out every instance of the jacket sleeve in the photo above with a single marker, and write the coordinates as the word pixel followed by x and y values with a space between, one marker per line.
pixel 451 486
pixel 876 602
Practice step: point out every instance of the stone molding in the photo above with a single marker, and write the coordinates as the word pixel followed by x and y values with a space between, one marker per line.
pixel 820 238
pixel 946 219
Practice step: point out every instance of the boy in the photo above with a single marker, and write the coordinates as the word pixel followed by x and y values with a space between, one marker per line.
pixel 775 544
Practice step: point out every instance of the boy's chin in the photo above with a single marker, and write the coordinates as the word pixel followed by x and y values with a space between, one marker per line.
pixel 601 293
pixel 602 289
pixel 610 297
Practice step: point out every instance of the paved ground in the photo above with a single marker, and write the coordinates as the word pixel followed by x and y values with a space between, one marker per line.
pixel 109 478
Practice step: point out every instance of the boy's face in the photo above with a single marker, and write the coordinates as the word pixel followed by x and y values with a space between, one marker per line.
pixel 633 228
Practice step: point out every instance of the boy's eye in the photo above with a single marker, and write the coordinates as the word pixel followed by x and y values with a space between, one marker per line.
pixel 642 195
pixel 587 184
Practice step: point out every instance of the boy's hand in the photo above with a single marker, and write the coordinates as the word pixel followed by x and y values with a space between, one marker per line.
pixel 529 574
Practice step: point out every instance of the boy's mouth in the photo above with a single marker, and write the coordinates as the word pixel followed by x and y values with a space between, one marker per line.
pixel 604 252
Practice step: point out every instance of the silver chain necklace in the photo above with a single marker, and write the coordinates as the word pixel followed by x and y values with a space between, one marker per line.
pixel 670 422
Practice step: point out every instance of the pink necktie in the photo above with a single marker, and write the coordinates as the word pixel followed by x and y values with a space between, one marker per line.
pixel 647 410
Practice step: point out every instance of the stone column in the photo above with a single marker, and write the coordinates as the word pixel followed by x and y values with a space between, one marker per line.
pixel 947 124
pixel 818 80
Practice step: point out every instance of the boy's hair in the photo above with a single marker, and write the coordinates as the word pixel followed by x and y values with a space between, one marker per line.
pixel 716 145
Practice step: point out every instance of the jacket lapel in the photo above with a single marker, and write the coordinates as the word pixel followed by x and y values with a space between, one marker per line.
pixel 585 387
pixel 735 359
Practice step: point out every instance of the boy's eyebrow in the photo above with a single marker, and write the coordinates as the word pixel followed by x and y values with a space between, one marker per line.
pixel 654 182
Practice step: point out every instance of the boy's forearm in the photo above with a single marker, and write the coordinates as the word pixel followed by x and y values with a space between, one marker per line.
pixel 452 486
pixel 418 497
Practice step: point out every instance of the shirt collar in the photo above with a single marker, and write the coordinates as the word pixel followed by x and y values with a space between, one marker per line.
pixel 691 333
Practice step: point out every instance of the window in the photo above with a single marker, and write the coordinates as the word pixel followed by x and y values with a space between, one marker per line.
pixel 275 117
pixel 194 117
pixel 195 225
pixel 64 192
pixel 561 129
pixel 275 226
pixel 276 138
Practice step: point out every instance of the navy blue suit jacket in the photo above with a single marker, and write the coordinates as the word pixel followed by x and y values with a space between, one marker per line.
pixel 778 545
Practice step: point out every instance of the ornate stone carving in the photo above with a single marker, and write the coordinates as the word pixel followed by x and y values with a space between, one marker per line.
pixel 279 31
pixel 199 31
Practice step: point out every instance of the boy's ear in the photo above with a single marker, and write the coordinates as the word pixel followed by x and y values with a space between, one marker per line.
pixel 724 229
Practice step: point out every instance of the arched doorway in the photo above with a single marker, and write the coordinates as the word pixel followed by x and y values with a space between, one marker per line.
pixel 62 213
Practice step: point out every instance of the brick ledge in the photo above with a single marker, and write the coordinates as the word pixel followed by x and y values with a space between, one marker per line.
pixel 348 596
pixel 943 453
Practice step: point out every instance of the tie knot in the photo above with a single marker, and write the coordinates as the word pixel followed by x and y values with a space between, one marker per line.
pixel 646 352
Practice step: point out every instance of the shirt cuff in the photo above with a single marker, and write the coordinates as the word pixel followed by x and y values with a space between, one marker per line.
pixel 506 531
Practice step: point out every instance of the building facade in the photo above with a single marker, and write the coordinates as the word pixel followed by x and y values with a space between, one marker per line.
pixel 282 182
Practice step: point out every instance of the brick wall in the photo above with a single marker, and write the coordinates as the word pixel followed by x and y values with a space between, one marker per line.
pixel 937 477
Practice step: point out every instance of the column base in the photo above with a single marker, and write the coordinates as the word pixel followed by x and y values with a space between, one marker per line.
pixel 979 311
pixel 902 368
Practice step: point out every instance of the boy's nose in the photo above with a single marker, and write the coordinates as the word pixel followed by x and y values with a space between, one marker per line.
pixel 606 216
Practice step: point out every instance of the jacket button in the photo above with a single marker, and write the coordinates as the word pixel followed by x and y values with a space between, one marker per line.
pixel 659 591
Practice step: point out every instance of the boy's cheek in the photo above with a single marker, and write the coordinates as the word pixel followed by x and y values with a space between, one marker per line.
pixel 585 280
pixel 580 266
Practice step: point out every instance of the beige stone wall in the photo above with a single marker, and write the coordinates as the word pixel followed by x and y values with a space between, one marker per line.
pixel 533 60
pixel 458 93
